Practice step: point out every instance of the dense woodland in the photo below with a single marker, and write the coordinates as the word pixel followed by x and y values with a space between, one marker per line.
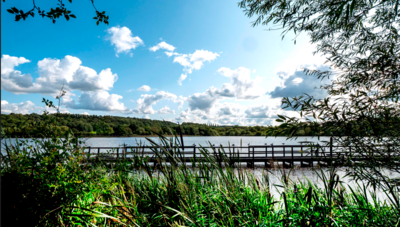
pixel 19 125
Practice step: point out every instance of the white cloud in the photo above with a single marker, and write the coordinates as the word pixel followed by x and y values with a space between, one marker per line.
pixel 241 87
pixel 229 109
pixel 297 80
pixel 12 77
pixel 180 100
pixel 169 54
pixel 195 60
pixel 227 90
pixel 244 87
pixel 183 60
pixel 8 63
pixel 26 108
pixel 166 110
pixel 162 45
pixel 217 107
pixel 97 100
pixel 200 56
pixel 123 40
pixel 206 100
pixel 53 74
pixel 297 83
pixel 189 62
pixel 144 88
pixel 144 105
pixel 184 116
pixel 233 114
pixel 181 78
pixel 85 113
pixel 203 101
pixel 263 112
pixel 22 108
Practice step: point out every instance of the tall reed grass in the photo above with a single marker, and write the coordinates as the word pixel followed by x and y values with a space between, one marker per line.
pixel 45 187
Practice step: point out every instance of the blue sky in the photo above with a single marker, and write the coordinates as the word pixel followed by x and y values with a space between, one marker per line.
pixel 233 73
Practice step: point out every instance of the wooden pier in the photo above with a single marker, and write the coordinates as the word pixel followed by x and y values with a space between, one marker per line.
pixel 251 155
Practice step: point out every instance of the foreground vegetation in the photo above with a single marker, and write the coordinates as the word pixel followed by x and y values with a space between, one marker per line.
pixel 46 187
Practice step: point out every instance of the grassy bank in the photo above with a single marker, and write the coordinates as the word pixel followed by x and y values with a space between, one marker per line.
pixel 49 188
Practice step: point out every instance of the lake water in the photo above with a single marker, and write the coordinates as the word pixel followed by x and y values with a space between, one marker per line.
pixel 198 140
pixel 202 140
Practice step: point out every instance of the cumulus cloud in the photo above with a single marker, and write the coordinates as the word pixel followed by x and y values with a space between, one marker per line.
pixel 53 74
pixel 233 114
pixel 26 108
pixel 229 109
pixel 144 88
pixel 241 87
pixel 184 116
pixel 263 112
pixel 195 60
pixel 22 108
pixel 203 101
pixel 144 105
pixel 298 83
pixel 181 78
pixel 123 40
pixel 189 62
pixel 244 87
pixel 169 53
pixel 211 107
pixel 183 60
pixel 166 110
pixel 227 90
pixel 162 45
pixel 97 100
pixel 206 100
pixel 8 73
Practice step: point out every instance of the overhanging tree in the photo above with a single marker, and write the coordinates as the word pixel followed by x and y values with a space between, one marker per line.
pixel 360 39
pixel 54 14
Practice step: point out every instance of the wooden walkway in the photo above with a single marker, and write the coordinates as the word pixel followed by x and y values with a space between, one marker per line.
pixel 251 155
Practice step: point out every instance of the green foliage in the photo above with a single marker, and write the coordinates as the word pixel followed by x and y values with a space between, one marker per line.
pixel 54 14
pixel 40 177
pixel 19 125
pixel 132 192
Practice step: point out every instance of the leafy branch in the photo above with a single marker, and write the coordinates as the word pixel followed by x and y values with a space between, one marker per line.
pixel 54 14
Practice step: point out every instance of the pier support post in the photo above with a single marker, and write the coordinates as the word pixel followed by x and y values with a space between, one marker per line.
pixel 266 163
pixel 194 155
pixel 249 163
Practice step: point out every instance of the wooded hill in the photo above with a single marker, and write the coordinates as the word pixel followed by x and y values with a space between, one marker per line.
pixel 19 125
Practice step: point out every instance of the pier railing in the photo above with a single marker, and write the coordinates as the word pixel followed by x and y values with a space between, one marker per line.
pixel 288 155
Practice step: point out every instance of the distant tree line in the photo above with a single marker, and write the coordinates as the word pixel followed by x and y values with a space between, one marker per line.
pixel 20 125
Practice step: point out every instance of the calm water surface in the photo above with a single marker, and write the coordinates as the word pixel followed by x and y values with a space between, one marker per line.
pixel 202 140
pixel 188 141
